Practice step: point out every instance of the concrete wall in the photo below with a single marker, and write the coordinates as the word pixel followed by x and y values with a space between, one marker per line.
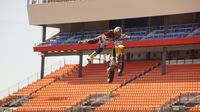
pixel 101 10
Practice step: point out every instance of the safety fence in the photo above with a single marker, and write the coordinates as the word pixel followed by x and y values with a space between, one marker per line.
pixel 184 61
pixel 181 103
pixel 35 77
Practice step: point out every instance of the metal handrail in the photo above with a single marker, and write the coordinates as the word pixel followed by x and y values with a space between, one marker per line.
pixel 110 93
pixel 169 105
pixel 91 96
pixel 136 77
pixel 28 95
pixel 32 78
pixel 183 61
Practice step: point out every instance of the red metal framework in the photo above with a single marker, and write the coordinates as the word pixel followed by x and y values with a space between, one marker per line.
pixel 128 44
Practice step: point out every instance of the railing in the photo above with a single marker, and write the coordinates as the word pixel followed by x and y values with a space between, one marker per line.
pixel 180 102
pixel 55 66
pixel 32 2
pixel 102 98
pixel 185 61
pixel 34 77
pixel 132 32
pixel 93 100
pixel 135 77
pixel 19 85
pixel 5 109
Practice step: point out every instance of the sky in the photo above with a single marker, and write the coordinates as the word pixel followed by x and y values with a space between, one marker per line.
pixel 17 39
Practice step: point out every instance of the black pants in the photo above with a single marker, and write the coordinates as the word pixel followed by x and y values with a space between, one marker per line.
pixel 101 44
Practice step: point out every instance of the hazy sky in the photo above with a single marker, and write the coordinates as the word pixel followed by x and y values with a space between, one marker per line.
pixel 17 38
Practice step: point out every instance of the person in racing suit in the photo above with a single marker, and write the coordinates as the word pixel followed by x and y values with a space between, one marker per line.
pixel 102 40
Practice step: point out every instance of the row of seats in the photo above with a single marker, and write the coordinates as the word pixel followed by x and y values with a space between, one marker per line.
pixel 40 83
pixel 196 108
pixel 67 69
pixel 173 31
pixel 144 94
pixel 153 89
pixel 71 90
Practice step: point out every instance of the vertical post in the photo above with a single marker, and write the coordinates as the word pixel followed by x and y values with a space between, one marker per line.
pixel 44 33
pixel 42 66
pixel 18 85
pixel 165 25
pixel 81 54
pixel 38 75
pixel 8 91
pixel 28 2
pixel 164 55
pixel 51 68
pixel 80 64
pixel 104 58
pixel 149 25
pixel 123 25
pixel 43 57
pixel 28 81
pixel 99 58
pixel 64 62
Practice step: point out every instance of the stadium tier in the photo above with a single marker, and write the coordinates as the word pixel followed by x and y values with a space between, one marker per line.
pixel 161 56
pixel 27 91
pixel 148 93
pixel 154 90
pixel 136 34
pixel 195 109
pixel 70 90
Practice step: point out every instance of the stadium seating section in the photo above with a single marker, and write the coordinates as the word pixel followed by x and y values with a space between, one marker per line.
pixel 195 109
pixel 154 89
pixel 136 34
pixel 48 79
pixel 70 90
pixel 39 84
pixel 145 94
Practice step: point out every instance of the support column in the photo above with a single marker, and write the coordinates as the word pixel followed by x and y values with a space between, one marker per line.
pixel 123 25
pixel 44 33
pixel 99 58
pixel 43 57
pixel 42 66
pixel 164 55
pixel 81 54
pixel 149 24
pixel 80 64
pixel 165 25
pixel 104 58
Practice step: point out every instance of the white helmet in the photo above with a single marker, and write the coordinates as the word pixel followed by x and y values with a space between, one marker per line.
pixel 118 30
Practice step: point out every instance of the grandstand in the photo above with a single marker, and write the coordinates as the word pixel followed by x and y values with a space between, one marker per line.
pixel 162 67
pixel 136 34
